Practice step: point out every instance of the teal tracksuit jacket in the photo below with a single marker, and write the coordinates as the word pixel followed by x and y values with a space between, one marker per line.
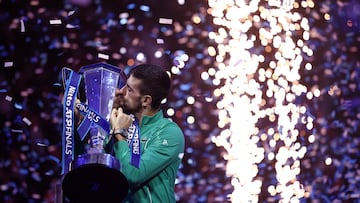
pixel 162 148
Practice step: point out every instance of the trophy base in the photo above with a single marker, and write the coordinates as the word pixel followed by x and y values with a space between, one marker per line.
pixel 95 178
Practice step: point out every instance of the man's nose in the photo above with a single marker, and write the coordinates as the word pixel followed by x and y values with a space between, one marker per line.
pixel 119 92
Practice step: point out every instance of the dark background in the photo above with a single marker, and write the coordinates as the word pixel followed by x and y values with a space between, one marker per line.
pixel 33 55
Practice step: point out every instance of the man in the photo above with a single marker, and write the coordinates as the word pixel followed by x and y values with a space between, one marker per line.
pixel 150 157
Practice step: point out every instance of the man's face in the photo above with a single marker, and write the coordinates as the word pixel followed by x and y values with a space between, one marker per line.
pixel 129 97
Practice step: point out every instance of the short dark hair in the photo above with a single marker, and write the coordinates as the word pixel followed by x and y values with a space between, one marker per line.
pixel 155 82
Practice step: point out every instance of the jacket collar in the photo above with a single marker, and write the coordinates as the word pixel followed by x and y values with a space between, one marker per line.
pixel 146 120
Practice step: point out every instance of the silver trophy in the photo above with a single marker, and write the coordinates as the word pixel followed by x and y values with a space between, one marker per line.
pixel 95 176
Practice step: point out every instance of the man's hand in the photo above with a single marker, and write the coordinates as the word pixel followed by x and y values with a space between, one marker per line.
pixel 119 119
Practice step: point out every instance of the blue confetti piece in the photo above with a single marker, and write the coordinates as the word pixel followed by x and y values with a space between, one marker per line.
pixel 36 177
pixel 144 8
pixel 131 6
pixel 185 87
pixel 50 172
pixel 25 148
pixel 23 171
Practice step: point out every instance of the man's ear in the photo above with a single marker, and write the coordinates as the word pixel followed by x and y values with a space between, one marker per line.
pixel 147 100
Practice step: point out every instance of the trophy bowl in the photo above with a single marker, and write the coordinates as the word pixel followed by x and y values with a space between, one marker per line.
pixel 95 175
pixel 95 178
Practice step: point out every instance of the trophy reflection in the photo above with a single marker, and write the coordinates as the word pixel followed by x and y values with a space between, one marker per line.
pixel 93 176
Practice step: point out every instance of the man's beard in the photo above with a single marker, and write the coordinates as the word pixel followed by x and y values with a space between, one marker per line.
pixel 131 110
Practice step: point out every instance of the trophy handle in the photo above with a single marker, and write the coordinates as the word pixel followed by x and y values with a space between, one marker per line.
pixel 65 74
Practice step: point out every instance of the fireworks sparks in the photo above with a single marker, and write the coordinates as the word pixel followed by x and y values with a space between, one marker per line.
pixel 259 57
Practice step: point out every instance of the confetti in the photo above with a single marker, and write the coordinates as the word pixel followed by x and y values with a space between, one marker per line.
pixel 22 26
pixel 55 22
pixel 165 21
pixel 8 98
pixel 8 64
pixel 71 26
pixel 17 131
pixel 160 41
pixel 103 56
pixel 71 13
pixel 41 144
pixel 233 64
pixel 26 121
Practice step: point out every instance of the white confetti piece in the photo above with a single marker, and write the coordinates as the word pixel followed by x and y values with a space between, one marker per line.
pixel 16 131
pixel 8 98
pixel 124 15
pixel 27 121
pixel 4 187
pixel 71 26
pixel 22 26
pixel 41 144
pixel 8 64
pixel 71 13
pixel 103 56
pixel 159 41
pixel 165 21
pixel 55 22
